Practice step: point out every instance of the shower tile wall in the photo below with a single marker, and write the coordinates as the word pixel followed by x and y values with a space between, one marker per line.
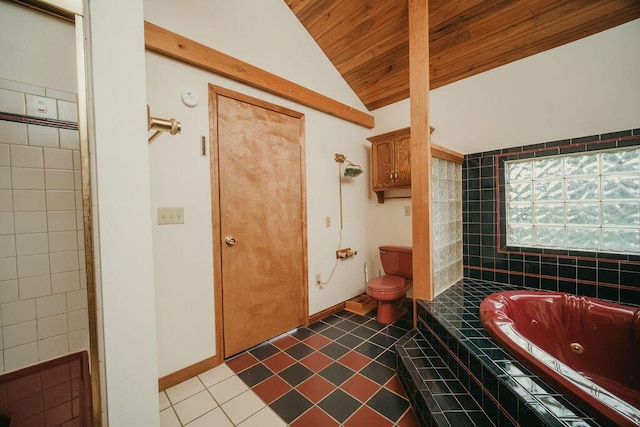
pixel 609 276
pixel 447 223
pixel 43 300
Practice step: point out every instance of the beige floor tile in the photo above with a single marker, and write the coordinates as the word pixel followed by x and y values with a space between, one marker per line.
pixel 194 406
pixel 215 418
pixel 168 418
pixel 228 389
pixel 266 417
pixel 215 375
pixel 185 389
pixel 243 406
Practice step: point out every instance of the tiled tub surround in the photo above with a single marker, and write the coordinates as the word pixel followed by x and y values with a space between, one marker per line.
pixel 447 223
pixel 43 301
pixel 614 277
pixel 508 393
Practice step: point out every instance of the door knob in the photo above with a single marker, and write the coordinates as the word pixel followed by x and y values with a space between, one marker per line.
pixel 230 240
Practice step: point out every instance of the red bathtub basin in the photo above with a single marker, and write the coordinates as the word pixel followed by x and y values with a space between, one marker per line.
pixel 587 348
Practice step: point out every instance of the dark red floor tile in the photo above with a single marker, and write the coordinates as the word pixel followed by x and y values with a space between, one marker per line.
pixel 285 342
pixel 314 417
pixel 366 416
pixel 242 362
pixel 409 419
pixel 395 386
pixel 354 360
pixel 315 388
pixel 316 361
pixel 279 361
pixel 271 389
pixel 317 341
pixel 360 387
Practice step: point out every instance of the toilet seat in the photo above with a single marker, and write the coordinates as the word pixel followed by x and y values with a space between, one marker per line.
pixel 387 283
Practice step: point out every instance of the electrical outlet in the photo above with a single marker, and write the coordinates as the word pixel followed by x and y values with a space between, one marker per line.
pixel 170 216
pixel 327 221
pixel 407 211
pixel 318 279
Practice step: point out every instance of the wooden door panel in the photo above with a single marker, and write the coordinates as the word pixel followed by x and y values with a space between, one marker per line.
pixel 383 165
pixel 261 207
pixel 403 161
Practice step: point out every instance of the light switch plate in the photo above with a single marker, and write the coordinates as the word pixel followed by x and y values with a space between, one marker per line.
pixel 170 216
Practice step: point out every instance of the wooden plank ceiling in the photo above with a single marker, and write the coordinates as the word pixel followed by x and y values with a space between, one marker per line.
pixel 367 40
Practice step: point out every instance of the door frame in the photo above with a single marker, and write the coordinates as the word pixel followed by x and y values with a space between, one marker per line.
pixel 217 238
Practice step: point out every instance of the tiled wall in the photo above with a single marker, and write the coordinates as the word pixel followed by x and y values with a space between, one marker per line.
pixel 43 300
pixel 447 223
pixel 610 276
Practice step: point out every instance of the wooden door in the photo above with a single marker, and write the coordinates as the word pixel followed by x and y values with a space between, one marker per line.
pixel 382 156
pixel 261 194
pixel 402 147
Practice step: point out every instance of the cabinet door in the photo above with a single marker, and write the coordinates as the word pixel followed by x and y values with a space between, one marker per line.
pixel 382 155
pixel 402 161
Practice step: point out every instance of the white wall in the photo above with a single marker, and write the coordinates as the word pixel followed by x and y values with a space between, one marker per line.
pixel 587 87
pixel 265 34
pixel 123 218
pixel 583 88
pixel 45 39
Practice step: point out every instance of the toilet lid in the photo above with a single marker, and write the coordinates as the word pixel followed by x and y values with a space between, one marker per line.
pixel 387 283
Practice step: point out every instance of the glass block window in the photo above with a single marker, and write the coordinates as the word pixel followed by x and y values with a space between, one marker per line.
pixel 586 202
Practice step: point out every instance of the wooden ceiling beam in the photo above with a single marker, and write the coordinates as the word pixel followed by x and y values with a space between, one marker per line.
pixel 172 45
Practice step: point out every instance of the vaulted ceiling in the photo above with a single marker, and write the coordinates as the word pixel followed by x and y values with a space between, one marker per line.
pixel 368 40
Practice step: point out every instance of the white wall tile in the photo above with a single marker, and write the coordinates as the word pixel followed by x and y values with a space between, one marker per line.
pixel 32 244
pixel 79 220
pixel 29 200
pixel 69 138
pixel 19 334
pixel 36 105
pixel 79 340
pixel 80 238
pixel 12 102
pixel 78 320
pixel 27 178
pixel 26 156
pixel 8 291
pixel 8 268
pixel 6 201
pixel 62 261
pixel 76 159
pixel 7 246
pixel 53 347
pixel 81 260
pixel 33 265
pixel 57 158
pixel 21 356
pixel 77 300
pixel 77 180
pixel 5 178
pixel 4 154
pixel 30 222
pixel 61 200
pixel 63 241
pixel 50 306
pixel 6 223
pixel 42 136
pixel 78 200
pixel 65 282
pixel 59 179
pixel 83 277
pixel 52 326
pixel 67 111
pixel 60 94
pixel 34 287
pixel 21 87
pixel 18 312
pixel 13 133
pixel 61 220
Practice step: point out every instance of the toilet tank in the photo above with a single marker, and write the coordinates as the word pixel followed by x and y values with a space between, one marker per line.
pixel 396 260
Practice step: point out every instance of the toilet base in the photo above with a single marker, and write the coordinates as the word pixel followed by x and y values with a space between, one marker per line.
pixel 390 311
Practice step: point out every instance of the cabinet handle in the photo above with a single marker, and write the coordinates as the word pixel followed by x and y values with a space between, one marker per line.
pixel 391 176
pixel 395 175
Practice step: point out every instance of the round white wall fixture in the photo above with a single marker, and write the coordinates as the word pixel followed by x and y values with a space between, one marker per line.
pixel 189 98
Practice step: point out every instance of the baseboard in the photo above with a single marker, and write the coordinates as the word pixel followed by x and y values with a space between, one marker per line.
pixel 188 372
pixel 326 312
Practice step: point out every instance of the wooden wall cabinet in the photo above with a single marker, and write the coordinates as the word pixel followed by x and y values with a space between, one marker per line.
pixel 391 161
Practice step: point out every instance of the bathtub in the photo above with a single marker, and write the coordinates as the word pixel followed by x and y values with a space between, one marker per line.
pixel 586 348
